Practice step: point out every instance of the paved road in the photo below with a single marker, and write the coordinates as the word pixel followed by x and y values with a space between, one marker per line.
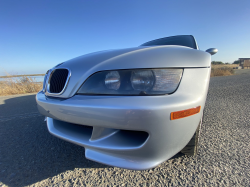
pixel 30 156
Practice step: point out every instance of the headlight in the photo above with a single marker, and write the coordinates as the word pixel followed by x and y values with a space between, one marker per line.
pixel 142 80
pixel 112 80
pixel 132 82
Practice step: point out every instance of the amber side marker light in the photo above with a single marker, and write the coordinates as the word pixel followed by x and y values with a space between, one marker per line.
pixel 185 113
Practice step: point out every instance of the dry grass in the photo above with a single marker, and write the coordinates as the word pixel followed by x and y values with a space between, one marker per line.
pixel 19 85
pixel 225 66
pixel 222 71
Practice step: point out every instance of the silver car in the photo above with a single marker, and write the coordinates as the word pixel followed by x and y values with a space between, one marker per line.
pixel 132 108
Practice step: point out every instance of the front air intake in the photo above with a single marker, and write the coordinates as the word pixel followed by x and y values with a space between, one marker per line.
pixel 58 81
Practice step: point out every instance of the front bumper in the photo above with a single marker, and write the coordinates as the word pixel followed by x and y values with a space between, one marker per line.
pixel 133 132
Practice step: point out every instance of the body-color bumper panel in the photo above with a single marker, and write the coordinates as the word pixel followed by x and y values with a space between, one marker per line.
pixel 149 114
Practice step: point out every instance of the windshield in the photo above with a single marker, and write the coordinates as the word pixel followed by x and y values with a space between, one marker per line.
pixel 183 40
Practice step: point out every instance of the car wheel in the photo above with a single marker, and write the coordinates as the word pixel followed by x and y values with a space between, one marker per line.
pixel 192 146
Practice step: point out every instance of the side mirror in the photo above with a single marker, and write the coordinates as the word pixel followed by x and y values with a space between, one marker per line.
pixel 212 51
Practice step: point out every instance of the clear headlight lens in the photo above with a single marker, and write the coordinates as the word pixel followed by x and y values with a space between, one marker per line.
pixel 112 80
pixel 167 79
pixel 142 80
pixel 132 82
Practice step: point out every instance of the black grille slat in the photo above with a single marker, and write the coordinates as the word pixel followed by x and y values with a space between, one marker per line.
pixel 61 78
pixel 58 80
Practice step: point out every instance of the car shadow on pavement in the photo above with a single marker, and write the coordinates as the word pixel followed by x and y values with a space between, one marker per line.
pixel 28 153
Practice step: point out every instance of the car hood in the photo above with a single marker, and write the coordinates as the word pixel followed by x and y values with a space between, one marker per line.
pixel 131 58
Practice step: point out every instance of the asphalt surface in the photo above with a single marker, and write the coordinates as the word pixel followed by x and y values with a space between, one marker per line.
pixel 30 156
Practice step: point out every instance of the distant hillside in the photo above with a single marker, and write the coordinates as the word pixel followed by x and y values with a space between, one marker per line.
pixel 21 75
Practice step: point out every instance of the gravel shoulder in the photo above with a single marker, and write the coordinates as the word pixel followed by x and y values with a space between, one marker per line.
pixel 30 156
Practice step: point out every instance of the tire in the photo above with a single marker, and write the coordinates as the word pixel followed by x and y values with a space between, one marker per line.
pixel 192 146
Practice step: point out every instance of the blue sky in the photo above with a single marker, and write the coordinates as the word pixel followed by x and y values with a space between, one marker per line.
pixel 35 35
